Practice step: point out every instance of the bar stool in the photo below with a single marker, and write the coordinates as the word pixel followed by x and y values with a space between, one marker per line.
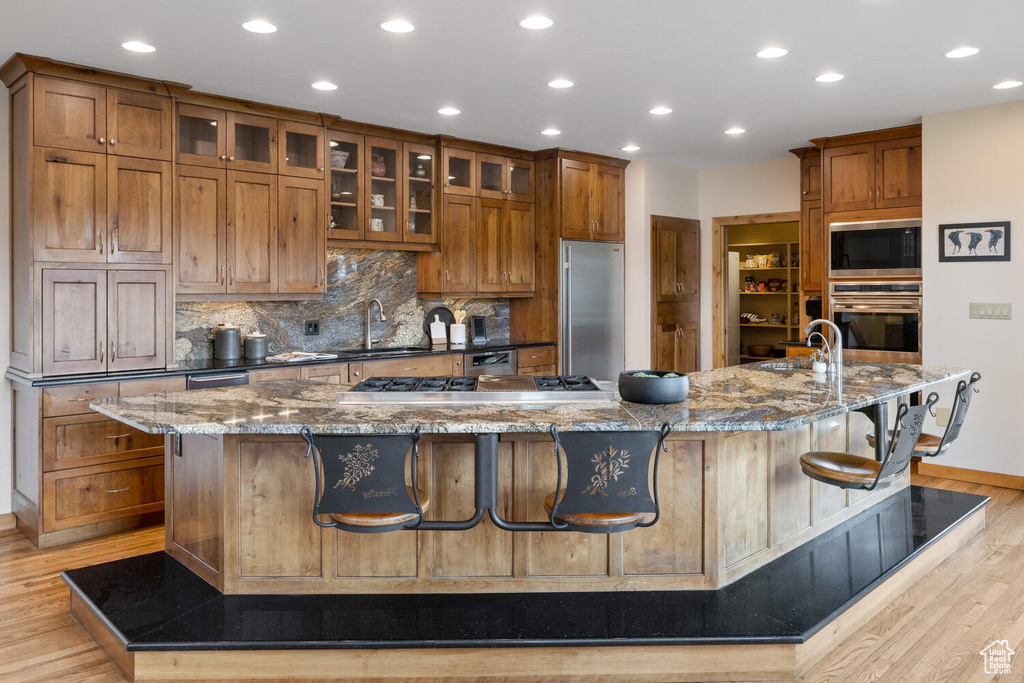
pixel 930 445
pixel 362 488
pixel 850 471
pixel 607 488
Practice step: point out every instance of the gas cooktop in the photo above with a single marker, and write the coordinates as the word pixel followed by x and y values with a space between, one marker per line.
pixel 518 389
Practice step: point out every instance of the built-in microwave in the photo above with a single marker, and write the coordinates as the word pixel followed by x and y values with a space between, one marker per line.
pixel 875 248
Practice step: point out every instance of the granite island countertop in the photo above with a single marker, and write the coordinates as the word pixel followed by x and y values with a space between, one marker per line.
pixel 749 397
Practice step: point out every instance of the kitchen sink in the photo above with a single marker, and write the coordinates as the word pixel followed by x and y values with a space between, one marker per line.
pixel 385 351
pixel 784 366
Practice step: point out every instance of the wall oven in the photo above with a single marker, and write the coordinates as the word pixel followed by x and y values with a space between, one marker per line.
pixel 875 248
pixel 878 321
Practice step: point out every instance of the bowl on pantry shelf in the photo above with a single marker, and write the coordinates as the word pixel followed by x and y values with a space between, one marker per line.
pixel 656 387
pixel 759 349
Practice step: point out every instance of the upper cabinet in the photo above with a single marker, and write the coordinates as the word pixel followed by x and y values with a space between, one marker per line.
pixel 418 193
pixel 301 152
pixel 459 172
pixel 488 176
pixel 91 118
pixel 810 175
pixel 592 201
pixel 347 182
pixel 882 174
pixel 225 139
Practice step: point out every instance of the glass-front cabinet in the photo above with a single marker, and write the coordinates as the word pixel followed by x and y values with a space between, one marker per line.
pixel 225 139
pixel 520 180
pixel 418 182
pixel 301 152
pixel 460 172
pixel 347 219
pixel 504 178
pixel 252 143
pixel 383 160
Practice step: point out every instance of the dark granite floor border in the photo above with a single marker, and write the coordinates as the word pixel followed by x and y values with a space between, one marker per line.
pixel 156 604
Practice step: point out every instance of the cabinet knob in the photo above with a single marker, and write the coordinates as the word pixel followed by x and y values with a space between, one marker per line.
pixel 113 141
pixel 321 169
pixel 356 374
pixel 101 141
pixel 231 158
pixel 223 157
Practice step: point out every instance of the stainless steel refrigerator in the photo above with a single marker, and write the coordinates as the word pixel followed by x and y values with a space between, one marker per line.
pixel 593 308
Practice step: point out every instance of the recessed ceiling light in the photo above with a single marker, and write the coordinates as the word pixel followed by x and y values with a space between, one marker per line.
pixel 325 85
pixel 424 157
pixel 397 26
pixel 830 77
pixel 630 148
pixel 736 131
pixel 661 111
pixel 1006 85
pixel 259 26
pixel 536 22
pixel 448 111
pixel 560 83
pixel 961 52
pixel 551 131
pixel 773 52
pixel 136 46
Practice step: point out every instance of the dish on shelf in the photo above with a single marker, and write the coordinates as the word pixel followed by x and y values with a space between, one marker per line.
pixel 339 157
pixel 759 349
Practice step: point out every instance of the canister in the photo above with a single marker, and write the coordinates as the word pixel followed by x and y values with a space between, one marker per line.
pixel 227 342
pixel 256 346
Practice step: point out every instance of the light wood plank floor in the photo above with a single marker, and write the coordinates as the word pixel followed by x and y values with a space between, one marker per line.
pixel 934 632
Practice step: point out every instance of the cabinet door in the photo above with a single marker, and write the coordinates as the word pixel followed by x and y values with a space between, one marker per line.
pixel 139 210
pixel 664 355
pixel 606 204
pixel 520 180
pixel 459 172
pixel 385 196
pixel 812 247
pixel 347 219
pixel 202 136
pixel 200 230
pixel 519 247
pixel 139 124
pixel 810 177
pixel 491 176
pixel 687 347
pixel 849 177
pixel 74 321
pixel 301 152
pixel 898 173
pixel 666 262
pixel 69 204
pixel 136 319
pixel 251 143
pixel 575 200
pixel 252 233
pixel 69 115
pixel 459 244
pixel 418 184
pixel 490 272
pixel 302 238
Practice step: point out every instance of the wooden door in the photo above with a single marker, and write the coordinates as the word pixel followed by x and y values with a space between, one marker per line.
pixel 69 205
pixel 688 347
pixel 139 124
pixel 74 321
pixel 490 271
pixel 491 174
pixel 139 210
pixel 136 319
pixel 810 177
pixel 663 356
pixel 300 151
pixel 459 168
pixel 519 180
pixel 898 173
pixel 812 247
pixel 252 233
pixel 459 244
pixel 607 206
pixel 849 178
pixel 301 236
pixel 675 293
pixel 200 230
pixel 519 247
pixel 202 136
pixel 251 143
pixel 69 115
pixel 577 223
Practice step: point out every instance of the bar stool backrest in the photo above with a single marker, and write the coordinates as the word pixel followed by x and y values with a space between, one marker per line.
pixel 961 402
pixel 909 424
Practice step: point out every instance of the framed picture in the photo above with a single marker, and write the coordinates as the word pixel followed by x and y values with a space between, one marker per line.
pixel 975 241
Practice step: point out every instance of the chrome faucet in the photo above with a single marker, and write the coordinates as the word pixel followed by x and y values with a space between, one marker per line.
pixel 835 354
pixel 368 343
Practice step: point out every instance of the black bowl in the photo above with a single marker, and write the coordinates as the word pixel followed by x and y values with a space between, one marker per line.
pixel 658 389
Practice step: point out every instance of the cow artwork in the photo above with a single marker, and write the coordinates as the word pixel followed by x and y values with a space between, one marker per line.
pixel 975 241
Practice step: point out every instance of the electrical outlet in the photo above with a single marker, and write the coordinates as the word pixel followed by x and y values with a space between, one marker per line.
pixel 990 311
pixel 312 327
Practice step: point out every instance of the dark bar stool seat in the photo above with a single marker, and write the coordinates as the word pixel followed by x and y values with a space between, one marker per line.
pixel 608 485
pixel 361 481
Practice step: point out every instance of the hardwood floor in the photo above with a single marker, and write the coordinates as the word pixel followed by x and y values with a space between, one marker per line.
pixel 933 632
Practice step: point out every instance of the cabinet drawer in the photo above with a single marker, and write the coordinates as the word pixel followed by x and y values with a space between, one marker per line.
pixel 152 386
pixel 86 495
pixel 439 366
pixel 257 376
pixel 335 373
pixel 537 370
pixel 542 355
pixel 92 439
pixel 74 399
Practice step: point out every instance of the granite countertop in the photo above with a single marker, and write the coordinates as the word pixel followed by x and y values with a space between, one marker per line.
pixel 210 366
pixel 741 398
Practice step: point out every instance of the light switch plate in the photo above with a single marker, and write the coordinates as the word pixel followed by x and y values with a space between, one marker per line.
pixel 942 416
pixel 990 311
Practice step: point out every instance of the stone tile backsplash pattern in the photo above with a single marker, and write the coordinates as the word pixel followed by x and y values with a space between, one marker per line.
pixel 354 276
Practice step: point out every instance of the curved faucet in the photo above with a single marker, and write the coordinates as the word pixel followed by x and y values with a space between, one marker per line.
pixel 836 353
pixel 368 342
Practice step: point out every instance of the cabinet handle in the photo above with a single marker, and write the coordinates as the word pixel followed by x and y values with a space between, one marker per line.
pixel 231 158
pixel 231 275
pixel 116 436
pixel 447 277
pixel 113 237
pixel 126 488
pixel 100 241
pixel 113 141
pixel 871 194
pixel 320 280
pixel 101 351
pixel 222 267
pixel 101 141
pixel 113 351
pixel 76 400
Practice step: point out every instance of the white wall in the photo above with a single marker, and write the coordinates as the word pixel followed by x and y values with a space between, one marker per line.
pixel 974 171
pixel 6 451
pixel 657 189
pixel 761 187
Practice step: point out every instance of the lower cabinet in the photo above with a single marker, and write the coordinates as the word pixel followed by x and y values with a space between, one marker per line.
pixel 538 361
pixel 675 347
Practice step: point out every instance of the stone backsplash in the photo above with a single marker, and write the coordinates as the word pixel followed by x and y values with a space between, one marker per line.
pixel 354 276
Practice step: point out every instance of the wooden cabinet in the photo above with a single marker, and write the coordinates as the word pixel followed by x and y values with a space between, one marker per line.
pixel 92 439
pixel 537 360
pixel 418 208
pixel 331 373
pixel 676 347
pixel 812 246
pixel 675 294
pixel 872 175
pixel 592 201
pixel 500 177
pixel 301 152
pixel 226 139
pixel 69 205
pixel 251 239
pixel 810 174
pixel 139 210
pixel 302 238
pixel 423 366
pixel 71 115
pixel 137 318
pixel 200 230
pixel 677 250
pixel 460 173
pixel 458 244
pixel 347 187
pixel 505 246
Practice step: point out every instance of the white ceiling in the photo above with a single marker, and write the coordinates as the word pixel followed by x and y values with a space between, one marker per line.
pixel 696 56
